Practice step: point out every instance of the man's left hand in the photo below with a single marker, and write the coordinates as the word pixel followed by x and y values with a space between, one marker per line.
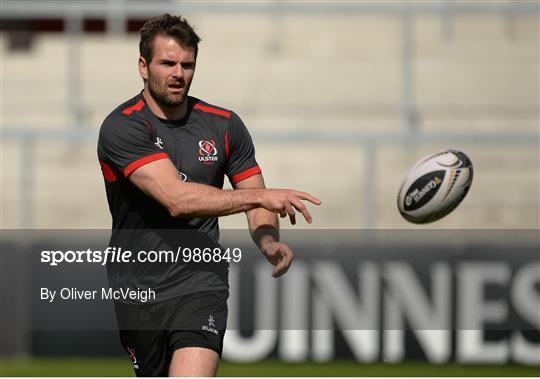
pixel 280 255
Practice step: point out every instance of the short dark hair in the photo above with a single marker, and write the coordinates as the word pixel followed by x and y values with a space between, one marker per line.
pixel 174 26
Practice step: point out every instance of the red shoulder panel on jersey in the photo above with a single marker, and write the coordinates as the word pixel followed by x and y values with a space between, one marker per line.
pixel 137 107
pixel 208 109
pixel 245 174
pixel 108 173
pixel 142 161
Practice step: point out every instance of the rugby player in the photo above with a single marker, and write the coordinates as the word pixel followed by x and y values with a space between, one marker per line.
pixel 164 156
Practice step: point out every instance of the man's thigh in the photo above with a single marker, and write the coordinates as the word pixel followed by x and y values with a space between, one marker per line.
pixel 193 325
pixel 194 361
pixel 196 335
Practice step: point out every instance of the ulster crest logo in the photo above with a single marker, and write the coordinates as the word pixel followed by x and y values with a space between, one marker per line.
pixel 208 152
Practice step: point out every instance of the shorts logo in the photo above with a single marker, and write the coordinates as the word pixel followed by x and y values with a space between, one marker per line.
pixel 208 152
pixel 131 353
pixel 159 143
pixel 211 327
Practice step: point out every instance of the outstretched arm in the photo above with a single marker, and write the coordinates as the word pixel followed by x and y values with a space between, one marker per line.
pixel 159 180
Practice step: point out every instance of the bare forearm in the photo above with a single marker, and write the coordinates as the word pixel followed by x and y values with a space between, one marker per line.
pixel 198 200
pixel 160 181
pixel 183 199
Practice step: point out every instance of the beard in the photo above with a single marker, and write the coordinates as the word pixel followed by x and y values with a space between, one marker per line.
pixel 160 93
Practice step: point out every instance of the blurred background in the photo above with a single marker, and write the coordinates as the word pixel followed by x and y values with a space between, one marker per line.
pixel 341 98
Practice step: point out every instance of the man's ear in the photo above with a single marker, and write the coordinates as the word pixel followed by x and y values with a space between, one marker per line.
pixel 143 69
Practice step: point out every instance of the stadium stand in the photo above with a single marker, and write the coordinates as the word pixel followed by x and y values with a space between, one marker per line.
pixel 331 74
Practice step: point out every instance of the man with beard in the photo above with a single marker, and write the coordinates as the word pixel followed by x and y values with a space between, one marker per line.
pixel 164 156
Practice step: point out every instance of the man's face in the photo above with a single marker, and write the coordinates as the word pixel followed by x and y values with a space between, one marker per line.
pixel 169 74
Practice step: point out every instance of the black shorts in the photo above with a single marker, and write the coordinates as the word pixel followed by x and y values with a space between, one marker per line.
pixel 150 333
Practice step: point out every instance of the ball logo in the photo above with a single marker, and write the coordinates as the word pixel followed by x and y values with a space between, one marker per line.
pixel 423 190
pixel 435 186
pixel 208 152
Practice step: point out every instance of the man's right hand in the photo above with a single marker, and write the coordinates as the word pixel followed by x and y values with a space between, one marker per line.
pixel 286 201
pixel 158 179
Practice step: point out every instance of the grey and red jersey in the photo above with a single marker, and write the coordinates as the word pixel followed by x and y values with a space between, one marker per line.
pixel 206 145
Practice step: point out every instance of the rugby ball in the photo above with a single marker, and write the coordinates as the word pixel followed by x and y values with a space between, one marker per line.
pixel 435 186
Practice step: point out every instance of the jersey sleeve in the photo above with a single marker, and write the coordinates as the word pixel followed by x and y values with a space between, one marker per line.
pixel 127 144
pixel 241 164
